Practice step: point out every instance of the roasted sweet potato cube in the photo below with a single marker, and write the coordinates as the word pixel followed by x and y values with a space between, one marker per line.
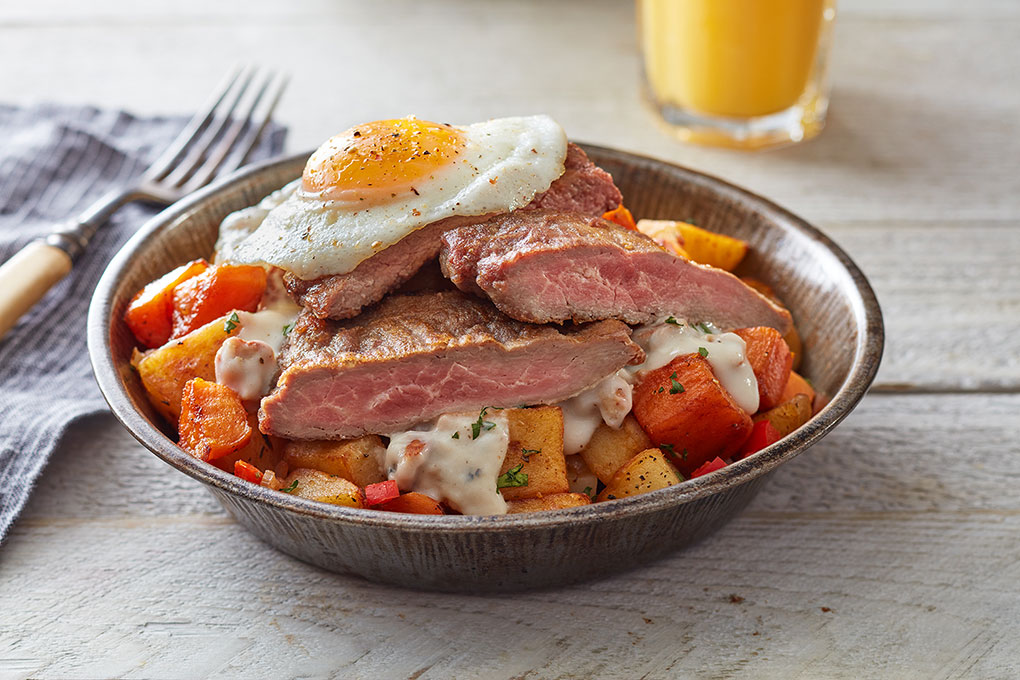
pixel 771 361
pixel 356 460
pixel 556 501
pixel 215 292
pixel 536 444
pixel 647 471
pixel 413 503
pixel 608 449
pixel 149 313
pixel 682 405
pixel 319 486
pixel 789 415
pixel 797 385
pixel 164 371
pixel 213 420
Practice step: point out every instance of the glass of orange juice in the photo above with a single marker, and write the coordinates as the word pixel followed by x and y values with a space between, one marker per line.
pixel 748 74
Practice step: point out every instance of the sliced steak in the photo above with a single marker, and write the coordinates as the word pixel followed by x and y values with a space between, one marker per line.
pixel 583 187
pixel 415 357
pixel 541 266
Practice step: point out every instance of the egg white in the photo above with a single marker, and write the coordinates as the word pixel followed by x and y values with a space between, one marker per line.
pixel 505 163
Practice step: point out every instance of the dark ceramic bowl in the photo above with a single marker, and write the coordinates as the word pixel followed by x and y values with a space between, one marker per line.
pixel 832 303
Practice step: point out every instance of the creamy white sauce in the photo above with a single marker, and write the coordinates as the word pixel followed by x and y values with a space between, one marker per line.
pixel 247 362
pixel 247 367
pixel 460 471
pixel 610 400
pixel 239 225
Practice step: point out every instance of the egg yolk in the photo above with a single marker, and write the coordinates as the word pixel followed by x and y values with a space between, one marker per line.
pixel 376 162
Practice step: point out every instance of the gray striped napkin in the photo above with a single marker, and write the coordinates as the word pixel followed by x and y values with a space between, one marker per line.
pixel 54 161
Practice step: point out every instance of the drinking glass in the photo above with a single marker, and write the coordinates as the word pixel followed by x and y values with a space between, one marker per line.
pixel 748 74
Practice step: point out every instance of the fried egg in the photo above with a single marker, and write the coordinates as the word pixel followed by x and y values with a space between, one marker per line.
pixel 372 185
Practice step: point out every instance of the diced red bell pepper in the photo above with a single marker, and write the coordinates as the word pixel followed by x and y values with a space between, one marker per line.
pixel 763 434
pixel 247 472
pixel 380 492
pixel 711 466
pixel 621 216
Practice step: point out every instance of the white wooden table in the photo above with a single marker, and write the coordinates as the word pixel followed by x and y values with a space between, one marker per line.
pixel 892 549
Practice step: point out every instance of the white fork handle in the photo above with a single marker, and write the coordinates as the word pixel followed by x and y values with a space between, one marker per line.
pixel 26 277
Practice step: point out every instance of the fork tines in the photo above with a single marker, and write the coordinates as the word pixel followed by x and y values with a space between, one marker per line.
pixel 220 136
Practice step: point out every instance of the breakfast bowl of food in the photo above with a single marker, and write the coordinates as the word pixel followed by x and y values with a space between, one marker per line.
pixel 480 358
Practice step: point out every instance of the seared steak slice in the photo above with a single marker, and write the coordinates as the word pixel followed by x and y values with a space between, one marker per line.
pixel 550 266
pixel 583 187
pixel 415 357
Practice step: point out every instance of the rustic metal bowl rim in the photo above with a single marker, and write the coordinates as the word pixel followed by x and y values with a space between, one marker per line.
pixel 867 355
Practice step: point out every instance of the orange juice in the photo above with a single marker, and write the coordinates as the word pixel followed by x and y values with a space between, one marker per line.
pixel 731 58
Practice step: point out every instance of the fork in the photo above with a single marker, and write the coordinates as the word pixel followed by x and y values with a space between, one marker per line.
pixel 217 140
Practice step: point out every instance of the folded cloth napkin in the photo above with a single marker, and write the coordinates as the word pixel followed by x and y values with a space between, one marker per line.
pixel 55 161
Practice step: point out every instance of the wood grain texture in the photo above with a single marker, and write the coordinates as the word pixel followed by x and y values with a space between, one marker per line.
pixel 910 540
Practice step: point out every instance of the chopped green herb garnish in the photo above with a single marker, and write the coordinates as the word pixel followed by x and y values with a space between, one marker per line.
pixel 589 493
pixel 287 329
pixel 683 456
pixel 660 390
pixel 231 323
pixel 668 448
pixel 679 476
pixel 672 320
pixel 456 435
pixel 703 327
pixel 702 351
pixel 291 488
pixel 674 386
pixel 476 427
pixel 512 477
pixel 526 453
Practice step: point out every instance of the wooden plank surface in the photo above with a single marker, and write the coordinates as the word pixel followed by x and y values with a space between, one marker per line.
pixel 910 541
pixel 892 549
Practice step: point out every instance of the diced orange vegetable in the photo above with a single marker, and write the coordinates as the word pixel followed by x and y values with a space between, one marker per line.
pixel 215 292
pixel 683 408
pixel 797 385
pixel 413 503
pixel 555 501
pixel 149 313
pixel 771 361
pixel 710 466
pixel 621 216
pixel 213 420
pixel 792 337
pixel 247 472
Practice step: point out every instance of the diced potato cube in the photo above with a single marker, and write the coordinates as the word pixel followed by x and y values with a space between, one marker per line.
pixel 165 370
pixel 356 460
pixel 536 444
pixel 682 406
pixel 319 486
pixel 647 471
pixel 608 449
pixel 789 415
pixel 556 501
